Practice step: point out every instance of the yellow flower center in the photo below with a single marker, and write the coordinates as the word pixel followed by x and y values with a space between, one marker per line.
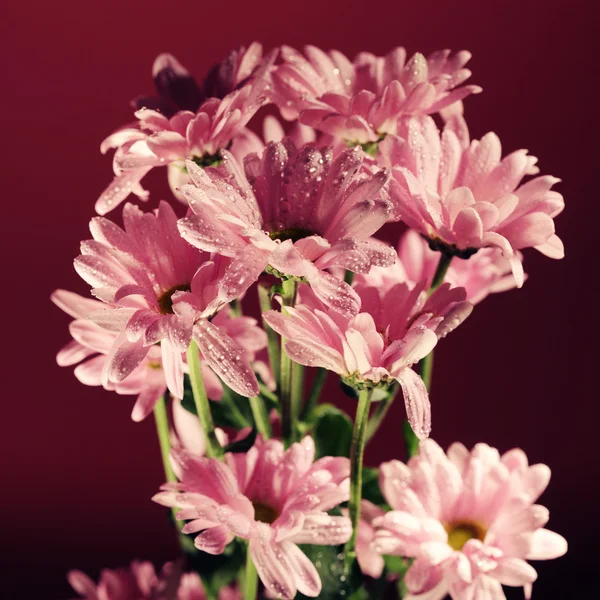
pixel 460 532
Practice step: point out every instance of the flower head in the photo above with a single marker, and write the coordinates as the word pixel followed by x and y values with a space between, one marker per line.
pixel 274 498
pixel 463 196
pixel 469 520
pixel 140 582
pixel 484 273
pixel 363 100
pixel 177 89
pixel 91 344
pixel 157 288
pixel 393 331
pixel 172 128
pixel 296 210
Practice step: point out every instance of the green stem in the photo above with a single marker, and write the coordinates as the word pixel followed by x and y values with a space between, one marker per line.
pixel 426 370
pixel 288 297
pixel 261 417
pixel 213 448
pixel 235 416
pixel 162 430
pixel 426 364
pixel 349 277
pixel 297 388
pixel 250 578
pixel 356 464
pixel 272 337
pixel 380 413
pixel 315 392
pixel 411 441
pixel 267 393
pixel 440 272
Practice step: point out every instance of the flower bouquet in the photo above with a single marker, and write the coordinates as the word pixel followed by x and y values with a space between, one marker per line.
pixel 265 482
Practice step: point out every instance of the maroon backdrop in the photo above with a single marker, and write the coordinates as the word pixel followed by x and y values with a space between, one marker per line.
pixel 77 473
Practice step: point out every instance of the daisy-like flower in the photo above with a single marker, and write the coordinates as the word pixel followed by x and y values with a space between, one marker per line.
pixel 168 138
pixel 140 582
pixel 296 210
pixel 178 90
pixel 91 344
pixel 273 498
pixel 393 331
pixel 364 100
pixel 486 272
pixel 157 288
pixel 463 196
pixel 468 519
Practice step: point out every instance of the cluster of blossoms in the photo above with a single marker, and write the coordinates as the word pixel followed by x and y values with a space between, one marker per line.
pixel 257 466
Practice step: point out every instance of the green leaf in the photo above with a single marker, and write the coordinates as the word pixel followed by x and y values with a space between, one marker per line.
pixel 337 582
pixel 332 431
pixel 218 571
pixel 232 410
pixel 244 444
pixel 370 488
pixel 396 564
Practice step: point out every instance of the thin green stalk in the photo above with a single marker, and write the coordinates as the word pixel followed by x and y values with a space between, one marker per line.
pixel 356 464
pixel 380 412
pixel 272 337
pixel 213 448
pixel 267 393
pixel 162 430
pixel 261 417
pixel 440 272
pixel 426 364
pixel 235 415
pixel 411 441
pixel 426 370
pixel 297 387
pixel 315 392
pixel 349 277
pixel 250 578
pixel 288 297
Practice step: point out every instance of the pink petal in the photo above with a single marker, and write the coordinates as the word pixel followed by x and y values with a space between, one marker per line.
pixel 416 400
pixel 307 578
pixel 226 358
pixel 213 540
pixel 514 572
pixel 546 545
pixel 273 572
pixel 552 248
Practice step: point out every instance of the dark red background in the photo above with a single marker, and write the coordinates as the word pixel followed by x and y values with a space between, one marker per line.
pixel 77 474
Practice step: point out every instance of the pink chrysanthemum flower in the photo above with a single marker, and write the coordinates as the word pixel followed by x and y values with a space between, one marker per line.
pixel 168 138
pixel 157 288
pixel 364 100
pixel 468 519
pixel 392 332
pixel 91 344
pixel 140 582
pixel 297 211
pixel 486 272
pixel 463 196
pixel 273 498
